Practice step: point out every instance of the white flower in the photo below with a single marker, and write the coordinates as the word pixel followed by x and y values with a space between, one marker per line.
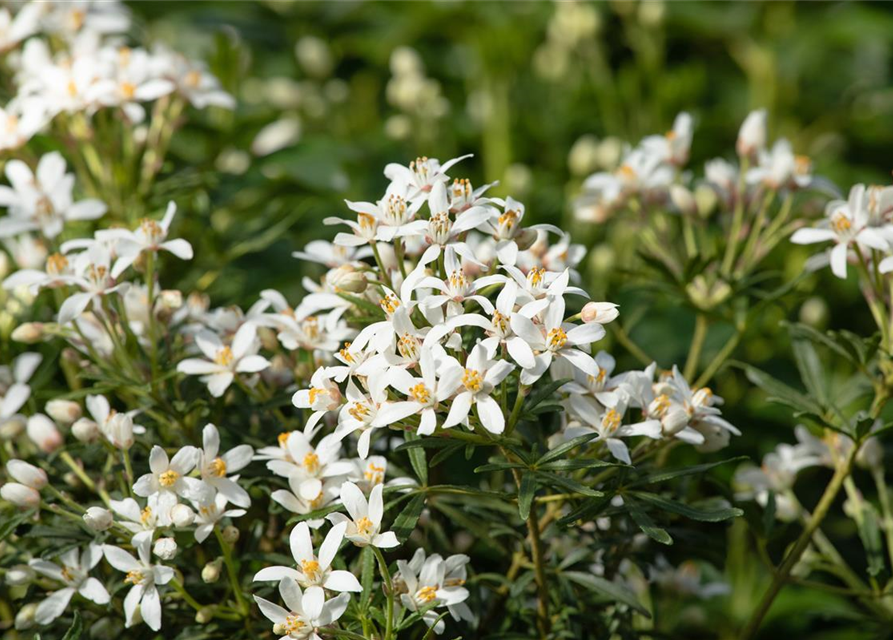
pixel 209 513
pixel 306 613
pixel 426 393
pixel 293 500
pixel 148 236
pixel 223 361
pixel 145 578
pixel 331 255
pixel 92 274
pixel 42 201
pixel 457 289
pixel 479 377
pixel 752 135
pixel 506 229
pixel 129 80
pixel 322 396
pixel 421 176
pixel 168 478
pixel 141 522
pixel 608 424
pixel 14 30
pixel 73 574
pixel 364 524
pixel 118 428
pixel 427 584
pixel 368 412
pixel 14 388
pixel 307 466
pixel 312 570
pixel 779 168
pixel 675 145
pixel 214 468
pixel 193 81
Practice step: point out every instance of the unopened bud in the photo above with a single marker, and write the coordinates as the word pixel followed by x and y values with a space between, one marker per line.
pixel 12 427
pixel 19 575
pixel 170 299
pixel 705 200
pixel 182 515
pixel 25 617
pixel 204 615
pixel 20 495
pixel 98 519
pixel 63 411
pixel 347 278
pixel 230 534
pixel 165 548
pixel 43 432
pixel 752 135
pixel 85 430
pixel 600 312
pixel 683 199
pixel 119 430
pixel 29 333
pixel 675 420
pixel 211 571
pixel 27 474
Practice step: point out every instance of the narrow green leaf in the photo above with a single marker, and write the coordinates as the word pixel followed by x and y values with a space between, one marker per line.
pixel 870 534
pixel 585 511
pixel 543 392
pixel 427 443
pixel 367 558
pixel 418 460
pixel 810 368
pixel 646 524
pixel 567 484
pixel 565 447
pixel 406 521
pixel 10 525
pixel 444 454
pixel 366 305
pixel 663 476
pixel 526 492
pixel 717 514
pixel 498 466
pixel 805 332
pixel 780 392
pixel 76 629
pixel 611 590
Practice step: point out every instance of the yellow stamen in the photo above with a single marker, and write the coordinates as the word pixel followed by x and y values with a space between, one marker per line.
pixel 218 467
pixel 426 594
pixel 310 568
pixel 224 357
pixel 134 577
pixel 472 380
pixel 311 462
pixel 364 526
pixel 168 478
pixel 420 393
pixel 557 338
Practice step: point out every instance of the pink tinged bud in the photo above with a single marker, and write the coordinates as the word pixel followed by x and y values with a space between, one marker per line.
pixel 85 430
pixel 19 575
pixel 20 495
pixel 43 432
pixel 98 519
pixel 165 548
pixel 63 411
pixel 752 135
pixel 27 474
pixel 600 312
pixel 182 515
pixel 29 333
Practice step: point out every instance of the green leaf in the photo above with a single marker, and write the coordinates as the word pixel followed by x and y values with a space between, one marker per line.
pixel 580 463
pixel 810 368
pixel 76 629
pixel 526 492
pixel 9 525
pixel 801 331
pixel 716 514
pixel 543 392
pixel 418 460
pixel 585 511
pixel 367 558
pixel 870 534
pixel 444 453
pixel 406 521
pixel 568 484
pixel 565 447
pixel 663 476
pixel 780 392
pixel 611 590
pixel 646 524
pixel 427 443
pixel 498 466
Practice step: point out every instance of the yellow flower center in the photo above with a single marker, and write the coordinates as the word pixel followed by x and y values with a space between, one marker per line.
pixel 224 357
pixel 367 222
pixel 389 303
pixel 420 393
pixel 311 462
pixel 218 467
pixel 168 478
pixel 500 322
pixel 461 188
pixel 557 338
pixel 67 574
pixel 472 380
pixel 310 327
pixel 374 473
pixel 364 526
pixel 426 594
pixel 535 276
pixel 408 345
pixel 293 624
pixel 283 438
pixel 128 89
pixel 611 421
pixel 802 165
pixel 151 229
pixel 626 172
pixel 146 515
pixel 310 568
pixel 508 219
pixel 345 354
pixel 192 79
pixel 134 576
pixel 56 264
pixel 360 411
pixel 841 223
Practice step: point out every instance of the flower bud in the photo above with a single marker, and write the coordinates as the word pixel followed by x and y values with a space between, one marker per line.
pixel 204 615
pixel 19 575
pixel 752 135
pixel 20 495
pixel 98 519
pixel 347 278
pixel 85 430
pixel 600 312
pixel 12 427
pixel 683 199
pixel 27 474
pixel 705 200
pixel 165 548
pixel 675 420
pixel 211 571
pixel 182 515
pixel 119 430
pixel 63 411
pixel 230 534
pixel 29 333
pixel 43 432
pixel 25 617
pixel 170 299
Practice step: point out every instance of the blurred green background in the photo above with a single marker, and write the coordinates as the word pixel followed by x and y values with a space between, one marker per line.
pixel 543 94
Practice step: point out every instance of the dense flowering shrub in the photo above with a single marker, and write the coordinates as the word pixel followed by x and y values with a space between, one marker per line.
pixel 433 439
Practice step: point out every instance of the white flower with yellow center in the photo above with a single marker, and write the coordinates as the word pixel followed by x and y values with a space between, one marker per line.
pixel 364 523
pixel 307 610
pixel 209 512
pixel 142 522
pixel 168 478
pixel 224 361
pixel 478 379
pixel 145 578
pixel 607 422
pixel 322 396
pixel 310 466
pixel 92 276
pixel 312 570
pixel 215 467
pixel 72 573
pixel 426 583
pixel 366 412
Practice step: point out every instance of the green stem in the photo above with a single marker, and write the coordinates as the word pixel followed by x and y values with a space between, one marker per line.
pixel 231 572
pixel 697 344
pixel 821 510
pixel 78 471
pixel 635 350
pixel 386 576
pixel 754 235
pixel 719 359
pixel 737 223
pixel 516 409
